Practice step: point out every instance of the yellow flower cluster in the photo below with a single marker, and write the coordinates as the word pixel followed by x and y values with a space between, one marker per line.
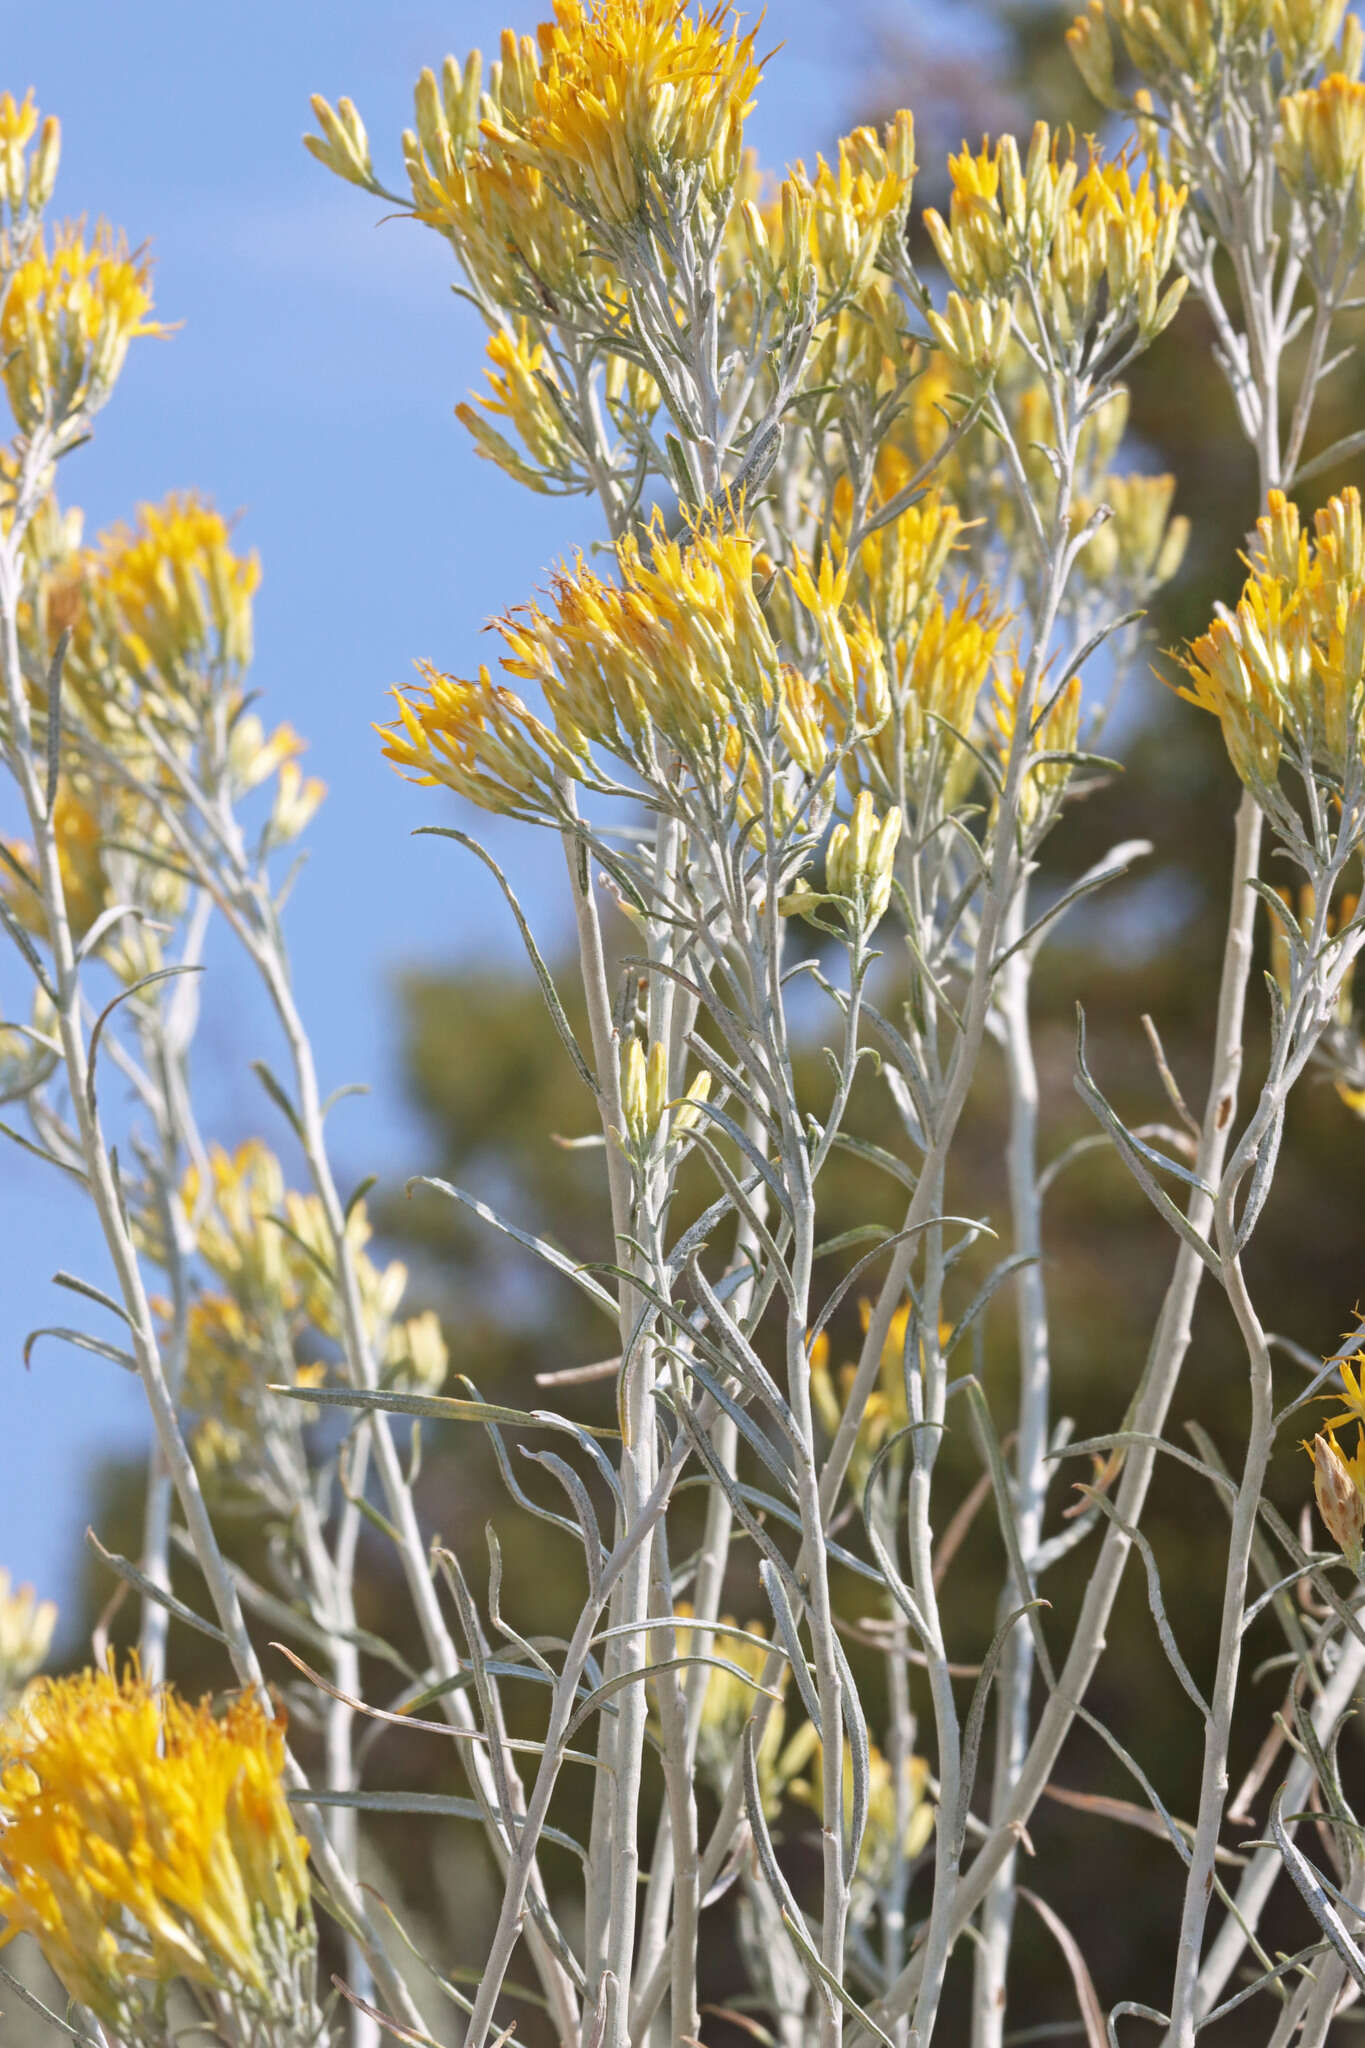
pixel 268 1249
pixel 523 247
pixel 1141 545
pixel 144 1840
pixel 679 650
pixel 860 860
pixel 1089 244
pixel 1321 151
pixel 877 1856
pixel 835 238
pixel 179 597
pixel 616 110
pixel 26 181
pixel 860 870
pixel 161 620
pixel 939 664
pixel 478 739
pixel 842 226
pixel 645 1107
pixel 886 1411
pixel 98 819
pixel 727 1704
pixel 26 1625
pixel 634 99
pixel 1181 44
pixel 66 320
pixel 1046 775
pixel 900 563
pixel 525 393
pixel 1290 660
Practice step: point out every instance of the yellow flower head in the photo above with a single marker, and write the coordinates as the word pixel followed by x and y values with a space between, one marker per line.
pixel 1291 658
pixel 84 884
pixel 900 563
pixel 1354 1384
pixel 886 1411
pixel 521 244
pixel 146 1840
pixel 1183 46
pixel 1180 44
pixel 66 321
pixel 860 860
pixel 18 120
pixel 634 100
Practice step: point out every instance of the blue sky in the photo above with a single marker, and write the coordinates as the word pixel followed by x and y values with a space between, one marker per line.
pixel 310 388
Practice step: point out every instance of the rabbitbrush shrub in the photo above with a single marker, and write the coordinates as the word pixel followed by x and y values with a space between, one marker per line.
pixel 788 743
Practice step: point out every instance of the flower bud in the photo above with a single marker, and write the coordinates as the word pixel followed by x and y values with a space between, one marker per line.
pixel 26 1625
pixel 1012 200
pixel 1092 52
pixel 42 169
pixel 861 860
pixel 343 145
pixel 687 1115
pixel 644 1092
pixel 900 148
pixel 1336 1485
pixel 429 113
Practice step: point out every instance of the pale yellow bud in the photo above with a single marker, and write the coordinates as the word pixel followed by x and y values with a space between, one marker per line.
pixel 26 1625
pixel 972 334
pixel 1351 51
pixel 860 861
pixel 900 149
pixel 343 145
pixel 838 865
pixel 644 1092
pixel 1306 29
pixel 462 104
pixel 1012 201
pixel 417 1359
pixel 687 1115
pixel 1338 1496
pixel 430 116
pixel 656 1086
pixel 1169 304
pixel 1092 52
pixel 42 169
pixel 1279 944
